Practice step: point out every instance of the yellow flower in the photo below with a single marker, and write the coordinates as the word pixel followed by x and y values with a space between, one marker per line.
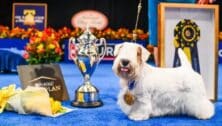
pixel 40 34
pixel 51 46
pixel 40 46
pixel 53 36
pixel 37 40
pixel 5 94
pixel 55 106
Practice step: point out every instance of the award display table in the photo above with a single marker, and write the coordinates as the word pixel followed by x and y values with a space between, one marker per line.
pixel 10 60
pixel 11 51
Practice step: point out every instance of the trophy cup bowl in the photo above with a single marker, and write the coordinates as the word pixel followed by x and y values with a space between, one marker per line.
pixel 85 53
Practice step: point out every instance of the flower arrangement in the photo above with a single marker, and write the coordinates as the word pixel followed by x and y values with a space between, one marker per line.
pixel 108 34
pixel 29 33
pixel 65 33
pixel 140 34
pixel 4 31
pixel 43 47
pixel 76 32
pixel 17 32
pixel 120 34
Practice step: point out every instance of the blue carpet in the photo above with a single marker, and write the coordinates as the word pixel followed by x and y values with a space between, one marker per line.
pixel 109 114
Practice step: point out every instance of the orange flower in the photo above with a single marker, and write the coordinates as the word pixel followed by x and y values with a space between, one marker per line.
pixel 17 32
pixel 143 36
pixel 40 51
pixel 64 32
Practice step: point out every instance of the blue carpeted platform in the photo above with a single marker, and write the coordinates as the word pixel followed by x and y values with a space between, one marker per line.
pixel 109 114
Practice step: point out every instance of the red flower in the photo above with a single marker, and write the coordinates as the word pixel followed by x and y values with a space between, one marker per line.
pixel 28 48
pixel 26 55
pixel 58 50
pixel 48 31
pixel 44 37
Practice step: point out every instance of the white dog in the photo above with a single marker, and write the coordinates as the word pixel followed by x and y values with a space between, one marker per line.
pixel 158 91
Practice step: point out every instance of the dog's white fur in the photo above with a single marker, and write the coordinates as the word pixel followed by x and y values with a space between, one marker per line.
pixel 160 91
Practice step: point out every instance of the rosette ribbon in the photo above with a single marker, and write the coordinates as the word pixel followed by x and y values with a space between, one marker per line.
pixel 186 36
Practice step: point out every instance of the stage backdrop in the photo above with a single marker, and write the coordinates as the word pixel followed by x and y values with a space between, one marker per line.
pixel 121 13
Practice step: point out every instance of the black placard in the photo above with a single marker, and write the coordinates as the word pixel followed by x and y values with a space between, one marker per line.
pixel 44 75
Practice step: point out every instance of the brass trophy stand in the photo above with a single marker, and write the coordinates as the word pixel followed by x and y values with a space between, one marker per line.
pixel 85 53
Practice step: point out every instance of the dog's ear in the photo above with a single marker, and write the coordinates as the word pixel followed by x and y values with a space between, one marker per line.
pixel 144 53
pixel 117 49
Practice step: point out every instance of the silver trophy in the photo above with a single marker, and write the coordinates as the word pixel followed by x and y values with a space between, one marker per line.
pixel 84 51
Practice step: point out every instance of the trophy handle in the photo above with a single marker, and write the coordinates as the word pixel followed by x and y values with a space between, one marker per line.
pixel 102 42
pixel 72 50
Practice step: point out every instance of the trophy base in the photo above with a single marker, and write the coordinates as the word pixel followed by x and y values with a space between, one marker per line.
pixel 87 96
pixel 87 104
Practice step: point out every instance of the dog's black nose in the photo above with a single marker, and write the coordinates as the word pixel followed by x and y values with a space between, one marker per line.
pixel 125 62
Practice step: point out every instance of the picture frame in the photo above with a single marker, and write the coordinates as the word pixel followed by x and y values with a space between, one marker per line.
pixel 195 29
pixel 27 15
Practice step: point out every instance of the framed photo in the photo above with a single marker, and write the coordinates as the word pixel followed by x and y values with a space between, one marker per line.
pixel 194 28
pixel 26 15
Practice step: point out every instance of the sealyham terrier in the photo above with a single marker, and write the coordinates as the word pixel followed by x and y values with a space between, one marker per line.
pixel 147 91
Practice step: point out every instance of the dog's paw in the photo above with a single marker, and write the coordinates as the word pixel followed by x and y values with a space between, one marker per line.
pixel 138 117
pixel 207 114
pixel 206 111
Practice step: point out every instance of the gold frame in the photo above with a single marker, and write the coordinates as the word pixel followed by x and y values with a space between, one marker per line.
pixel 161 30
pixel 33 4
